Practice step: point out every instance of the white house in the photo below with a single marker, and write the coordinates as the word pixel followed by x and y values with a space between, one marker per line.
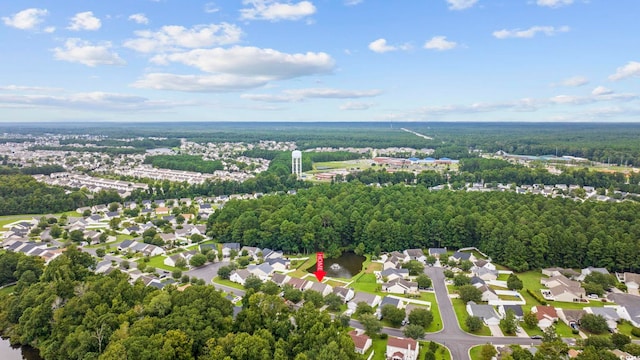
pixel 402 349
pixel 486 312
pixel 322 288
pixel 362 342
pixel 262 271
pixel 546 315
pixel 416 254
pixel 240 276
pixel 400 286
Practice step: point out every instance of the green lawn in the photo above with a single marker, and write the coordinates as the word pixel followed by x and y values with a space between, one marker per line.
pixel 535 331
pixel 475 352
pixel 158 263
pixel 379 346
pixel 8 219
pixel 436 325
pixel 442 353
pixel 228 283
pixel 9 289
pixel 461 314
pixel 564 330
pixel 625 328
pixel 503 277
pixel 366 283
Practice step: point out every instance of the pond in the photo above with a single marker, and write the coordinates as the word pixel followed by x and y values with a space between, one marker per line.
pixel 8 352
pixel 346 266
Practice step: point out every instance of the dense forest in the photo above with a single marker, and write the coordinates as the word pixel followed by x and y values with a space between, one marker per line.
pixel 138 143
pixel 184 162
pixel 521 231
pixel 67 312
pixel 22 194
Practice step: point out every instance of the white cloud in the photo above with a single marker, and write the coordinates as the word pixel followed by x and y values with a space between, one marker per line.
pixel 461 4
pixel 27 19
pixel 252 61
pixel 28 88
pixel 297 95
pixel 91 101
pixel 86 53
pixel 632 69
pixel 352 2
pixel 273 10
pixel 380 46
pixel 174 37
pixel 200 83
pixel 530 32
pixel 601 90
pixel 352 105
pixel 573 81
pixel 50 29
pixel 554 3
pixel 84 21
pixel 440 43
pixel 211 8
pixel 139 18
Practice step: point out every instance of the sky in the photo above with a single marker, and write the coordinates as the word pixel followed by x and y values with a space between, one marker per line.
pixel 320 60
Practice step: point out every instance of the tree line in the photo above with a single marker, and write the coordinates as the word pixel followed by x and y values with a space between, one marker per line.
pixel 521 231
pixel 185 162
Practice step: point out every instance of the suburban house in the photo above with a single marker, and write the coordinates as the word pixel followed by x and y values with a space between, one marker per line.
pixel 369 299
pixel 393 273
pixel 477 282
pixel 392 262
pixel 484 273
pixel 631 307
pixel 484 264
pixel 362 342
pixel 173 259
pixel 632 281
pixel 138 247
pixel 609 313
pixel 262 271
pixel 345 294
pixel 546 315
pixel 299 284
pixel 437 252
pixel 485 312
pixel 555 271
pixel 488 293
pixel 240 276
pixel 562 289
pixel 416 254
pixel 251 251
pixel 322 288
pixel 402 349
pixel 587 271
pixel 410 307
pixel 227 247
pixel 161 210
pixel 400 286
pixel 268 254
pixel 461 256
pixel 279 264
pixel 280 279
pixel 517 311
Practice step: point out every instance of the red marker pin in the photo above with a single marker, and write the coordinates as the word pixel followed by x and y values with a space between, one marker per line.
pixel 320 273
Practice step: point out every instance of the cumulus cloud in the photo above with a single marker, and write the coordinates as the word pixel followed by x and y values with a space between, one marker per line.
pixel 139 18
pixel 27 19
pixel 352 105
pixel 380 46
pixel 554 3
pixel 573 81
pixel 252 61
pixel 461 4
pixel 440 43
pixel 273 10
pixel 174 37
pixel 631 69
pixel 84 21
pixel 530 32
pixel 23 88
pixel 297 95
pixel 601 90
pixel 86 53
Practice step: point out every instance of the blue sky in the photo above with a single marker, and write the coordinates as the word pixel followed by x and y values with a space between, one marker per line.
pixel 320 60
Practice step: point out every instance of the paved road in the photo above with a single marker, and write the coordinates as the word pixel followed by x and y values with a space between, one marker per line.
pixel 458 341
pixel 210 271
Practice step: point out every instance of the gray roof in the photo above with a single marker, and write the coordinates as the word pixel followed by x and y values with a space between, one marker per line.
pixel 125 244
pixel 387 300
pixel 607 313
pixel 517 309
pixel 483 311
pixel 363 297
pixel 462 255
pixel 434 251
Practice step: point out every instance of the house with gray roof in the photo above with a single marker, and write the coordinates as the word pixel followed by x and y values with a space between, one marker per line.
pixel 629 307
pixel 438 252
pixel 486 312
pixel 369 299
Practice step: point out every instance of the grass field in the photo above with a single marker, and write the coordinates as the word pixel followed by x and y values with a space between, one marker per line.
pixel 461 313
pixel 228 283
pixel 436 325
pixel 9 289
pixel 158 263
pixel 366 283
pixel 476 352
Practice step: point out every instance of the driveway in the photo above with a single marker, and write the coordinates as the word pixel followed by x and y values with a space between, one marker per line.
pixel 496 331
pixel 210 271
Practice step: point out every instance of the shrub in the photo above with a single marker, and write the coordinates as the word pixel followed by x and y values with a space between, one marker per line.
pixel 538 298
pixel 635 331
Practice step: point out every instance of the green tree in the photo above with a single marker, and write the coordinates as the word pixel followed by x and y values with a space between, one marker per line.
pixel 314 298
pixel 422 317
pixel 473 323
pixel 198 260
pixel 487 352
pixel 465 265
pixel 595 324
pixel 371 325
pixel 333 302
pixel 461 280
pixel 292 294
pixel 620 340
pixel 100 252
pixel 393 315
pixel 253 282
pixel 224 272
pixel 414 331
pixel 508 324
pixel 469 293
pixel 415 267
pixel 76 236
pixel 514 282
pixel 362 308
pixel 530 320
pixel 176 274
pixel 423 281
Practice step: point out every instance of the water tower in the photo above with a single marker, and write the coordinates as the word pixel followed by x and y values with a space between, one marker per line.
pixel 296 163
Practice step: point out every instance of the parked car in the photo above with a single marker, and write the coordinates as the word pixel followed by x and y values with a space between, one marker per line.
pixel 538 337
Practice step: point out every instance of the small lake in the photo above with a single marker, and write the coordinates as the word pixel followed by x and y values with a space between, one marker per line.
pixel 8 352
pixel 348 265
